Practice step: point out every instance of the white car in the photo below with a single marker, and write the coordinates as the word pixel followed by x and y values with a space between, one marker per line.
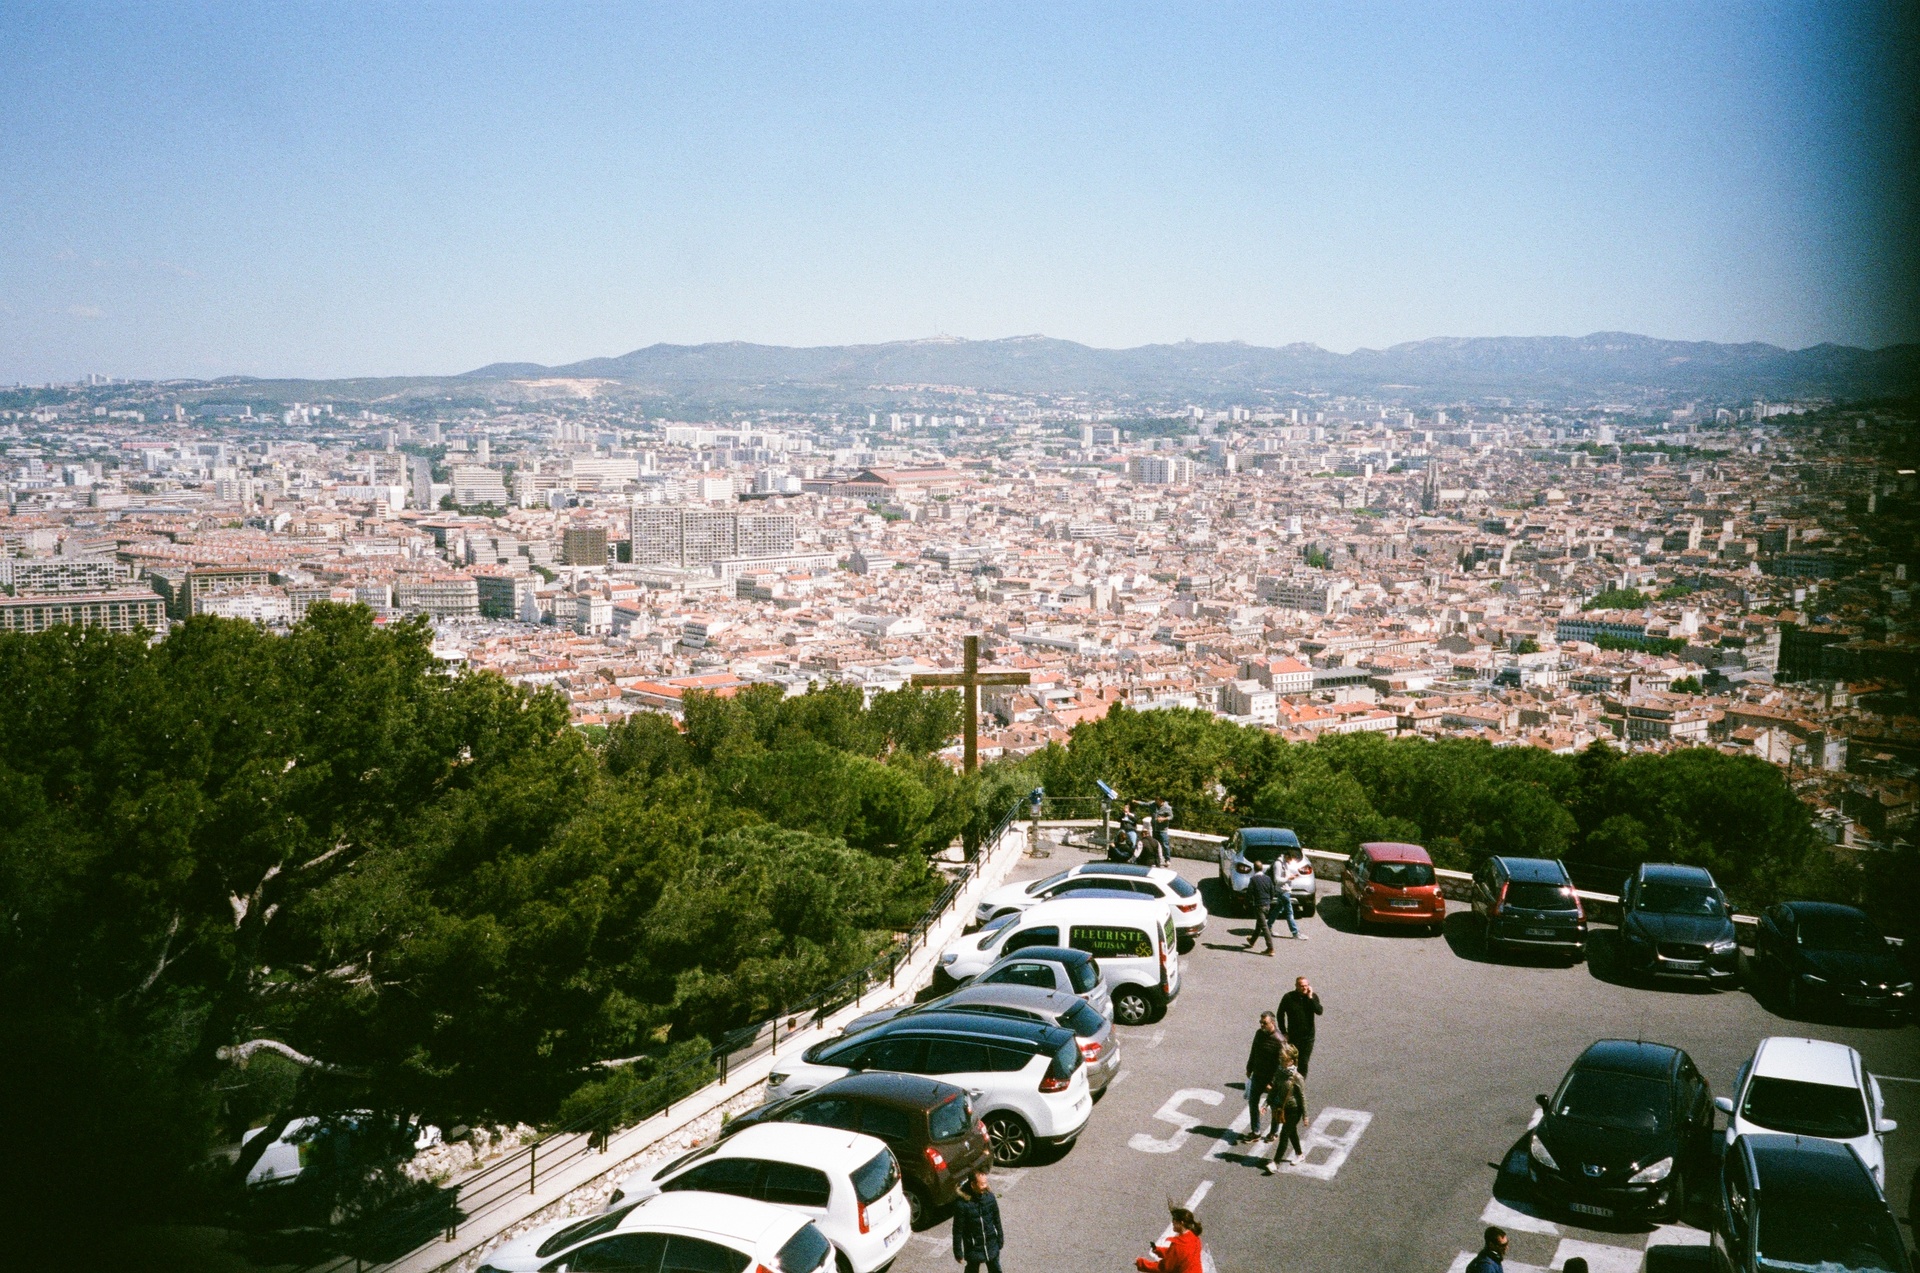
pixel 674 1233
pixel 1163 883
pixel 1028 1079
pixel 1815 1089
pixel 846 1183
pixel 1253 849
pixel 1131 937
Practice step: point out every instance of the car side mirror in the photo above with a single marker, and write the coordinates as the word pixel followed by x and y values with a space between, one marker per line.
pixel 1887 1125
pixel 976 1093
pixel 1724 1104
pixel 1543 1101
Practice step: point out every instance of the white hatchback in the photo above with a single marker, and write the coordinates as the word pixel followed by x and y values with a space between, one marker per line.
pixel 1131 937
pixel 846 1183
pixel 1158 882
pixel 673 1233
pixel 1811 1088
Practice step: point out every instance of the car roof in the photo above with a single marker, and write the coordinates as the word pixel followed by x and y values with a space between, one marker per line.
pixel 1046 954
pixel 1630 1056
pixel 1009 995
pixel 888 1087
pixel 1133 869
pixel 1092 904
pixel 1809 1169
pixel 1807 1061
pixel 725 1216
pixel 830 1148
pixel 1835 909
pixel 1535 870
pixel 1269 835
pixel 1673 872
pixel 1393 851
pixel 1006 1029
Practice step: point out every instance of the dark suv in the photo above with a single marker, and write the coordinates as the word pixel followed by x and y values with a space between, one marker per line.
pixel 1529 904
pixel 929 1125
pixel 1788 1202
pixel 1675 922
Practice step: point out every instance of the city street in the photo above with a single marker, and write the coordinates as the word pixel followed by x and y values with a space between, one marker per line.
pixel 1422 1081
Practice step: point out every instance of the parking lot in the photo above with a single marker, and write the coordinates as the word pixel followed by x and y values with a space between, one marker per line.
pixel 1423 1080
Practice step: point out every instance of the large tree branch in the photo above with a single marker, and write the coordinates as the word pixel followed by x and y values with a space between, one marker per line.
pixel 239 1052
pixel 160 964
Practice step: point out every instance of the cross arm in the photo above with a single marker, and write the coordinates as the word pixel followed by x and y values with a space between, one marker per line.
pixel 939 678
pixel 1004 678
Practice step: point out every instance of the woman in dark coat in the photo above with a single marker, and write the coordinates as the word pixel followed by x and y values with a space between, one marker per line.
pixel 977 1235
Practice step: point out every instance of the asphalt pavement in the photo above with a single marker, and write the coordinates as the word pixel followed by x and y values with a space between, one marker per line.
pixel 1423 1080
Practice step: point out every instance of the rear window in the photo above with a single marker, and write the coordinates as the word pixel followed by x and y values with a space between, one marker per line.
pixel 950 1119
pixel 804 1251
pixel 1083 977
pixel 1402 874
pixel 1112 942
pixel 1066 1060
pixel 1539 897
pixel 875 1177
pixel 1179 884
pixel 1805 1109
pixel 1082 1019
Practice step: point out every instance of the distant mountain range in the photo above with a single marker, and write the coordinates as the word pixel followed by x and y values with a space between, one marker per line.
pixel 1554 367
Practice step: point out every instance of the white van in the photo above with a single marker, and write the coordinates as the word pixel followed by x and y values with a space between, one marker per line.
pixel 1132 938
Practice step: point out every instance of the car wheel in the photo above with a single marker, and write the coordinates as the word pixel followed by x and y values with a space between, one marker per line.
pixel 1011 1138
pixel 1677 1207
pixel 918 1210
pixel 1130 1007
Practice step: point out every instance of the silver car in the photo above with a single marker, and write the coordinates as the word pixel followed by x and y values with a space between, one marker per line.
pixel 1099 1045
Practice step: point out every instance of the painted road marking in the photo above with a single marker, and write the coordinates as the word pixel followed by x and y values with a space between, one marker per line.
pixel 1183 1123
pixel 1194 1199
pixel 1321 1136
pixel 1117 1079
pixel 1156 1038
pixel 1506 1217
pixel 1228 1144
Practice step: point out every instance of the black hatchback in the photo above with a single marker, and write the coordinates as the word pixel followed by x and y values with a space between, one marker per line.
pixel 1619 1137
pixel 1528 904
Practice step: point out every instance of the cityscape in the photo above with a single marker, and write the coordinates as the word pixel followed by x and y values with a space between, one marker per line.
pixel 834 638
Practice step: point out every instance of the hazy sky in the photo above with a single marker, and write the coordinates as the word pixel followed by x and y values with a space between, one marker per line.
pixel 361 188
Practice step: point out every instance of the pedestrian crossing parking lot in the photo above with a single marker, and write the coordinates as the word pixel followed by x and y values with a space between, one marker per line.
pixel 1421 1086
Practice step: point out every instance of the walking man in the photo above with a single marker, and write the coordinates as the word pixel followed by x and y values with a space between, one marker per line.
pixel 1493 1256
pixel 1260 897
pixel 977 1236
pixel 1298 1007
pixel 1290 1099
pixel 1286 870
pixel 1263 1063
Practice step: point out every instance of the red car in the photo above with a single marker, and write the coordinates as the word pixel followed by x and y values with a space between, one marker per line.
pixel 1388 883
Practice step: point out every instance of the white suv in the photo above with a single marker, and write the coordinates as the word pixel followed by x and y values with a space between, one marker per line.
pixel 1815 1089
pixel 1158 882
pixel 1131 937
pixel 846 1183
pixel 1027 1078
pixel 675 1231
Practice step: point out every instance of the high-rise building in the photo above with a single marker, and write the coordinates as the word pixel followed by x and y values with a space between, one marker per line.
pixel 583 546
pixel 691 537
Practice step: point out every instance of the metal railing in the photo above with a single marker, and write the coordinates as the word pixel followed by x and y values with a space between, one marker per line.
pixel 516 1175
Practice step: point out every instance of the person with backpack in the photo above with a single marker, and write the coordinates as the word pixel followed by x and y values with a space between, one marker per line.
pixel 977 1235
pixel 1181 1252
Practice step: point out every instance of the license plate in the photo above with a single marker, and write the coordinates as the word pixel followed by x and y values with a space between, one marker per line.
pixel 1588 1209
pixel 1682 965
pixel 1864 1001
pixel 1404 906
pixel 898 1236
pixel 1539 932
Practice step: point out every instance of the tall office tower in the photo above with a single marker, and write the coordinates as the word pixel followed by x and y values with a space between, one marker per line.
pixel 583 546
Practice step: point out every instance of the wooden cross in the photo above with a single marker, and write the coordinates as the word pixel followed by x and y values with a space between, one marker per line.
pixel 971 679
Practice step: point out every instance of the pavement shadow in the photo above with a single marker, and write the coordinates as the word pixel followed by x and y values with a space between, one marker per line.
pixel 1467 937
pixel 1337 913
pixel 1220 898
pixel 1677 1259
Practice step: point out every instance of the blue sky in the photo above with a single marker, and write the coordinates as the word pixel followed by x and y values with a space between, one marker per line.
pixel 355 188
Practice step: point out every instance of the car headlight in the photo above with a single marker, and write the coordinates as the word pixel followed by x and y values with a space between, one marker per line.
pixel 1652 1173
pixel 776 1079
pixel 1538 1151
pixel 1724 945
pixel 948 958
pixel 1809 977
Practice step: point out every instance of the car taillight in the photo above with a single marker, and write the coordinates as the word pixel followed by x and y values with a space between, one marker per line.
pixel 1187 908
pixel 1047 1084
pixel 863 1217
pixel 981 1127
pixel 934 1159
pixel 1579 911
pixel 1090 1049
pixel 1498 902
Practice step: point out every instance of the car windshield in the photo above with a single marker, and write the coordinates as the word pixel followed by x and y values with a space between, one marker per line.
pixel 950 1119
pixel 1037 885
pixel 879 1174
pixel 1805 1109
pixel 1663 898
pixel 991 929
pixel 1402 874
pixel 1539 897
pixel 1606 1098
pixel 1182 886
pixel 581 1230
pixel 1083 976
pixel 1851 934
pixel 1828 1239
pixel 1082 1019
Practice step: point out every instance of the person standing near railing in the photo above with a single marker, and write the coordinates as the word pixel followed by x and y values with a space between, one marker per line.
pixel 1163 832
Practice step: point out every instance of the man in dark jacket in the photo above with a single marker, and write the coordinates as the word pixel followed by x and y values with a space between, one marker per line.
pixel 1260 897
pixel 1493 1256
pixel 977 1236
pixel 1298 1007
pixel 1263 1062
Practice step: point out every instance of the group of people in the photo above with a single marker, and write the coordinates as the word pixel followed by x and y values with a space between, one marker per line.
pixel 1277 1072
pixel 1270 891
pixel 1144 838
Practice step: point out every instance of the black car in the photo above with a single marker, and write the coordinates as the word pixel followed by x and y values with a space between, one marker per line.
pixel 1788 1202
pixel 1675 922
pixel 1529 904
pixel 929 1125
pixel 1618 1139
pixel 1818 953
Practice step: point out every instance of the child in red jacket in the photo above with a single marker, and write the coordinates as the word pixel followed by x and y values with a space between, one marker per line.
pixel 1179 1253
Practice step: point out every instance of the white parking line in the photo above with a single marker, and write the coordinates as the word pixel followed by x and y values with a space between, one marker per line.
pixel 1156 1038
pixel 1194 1199
pixel 1116 1080
pixel 1353 1123
pixel 1229 1143
pixel 1183 1123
